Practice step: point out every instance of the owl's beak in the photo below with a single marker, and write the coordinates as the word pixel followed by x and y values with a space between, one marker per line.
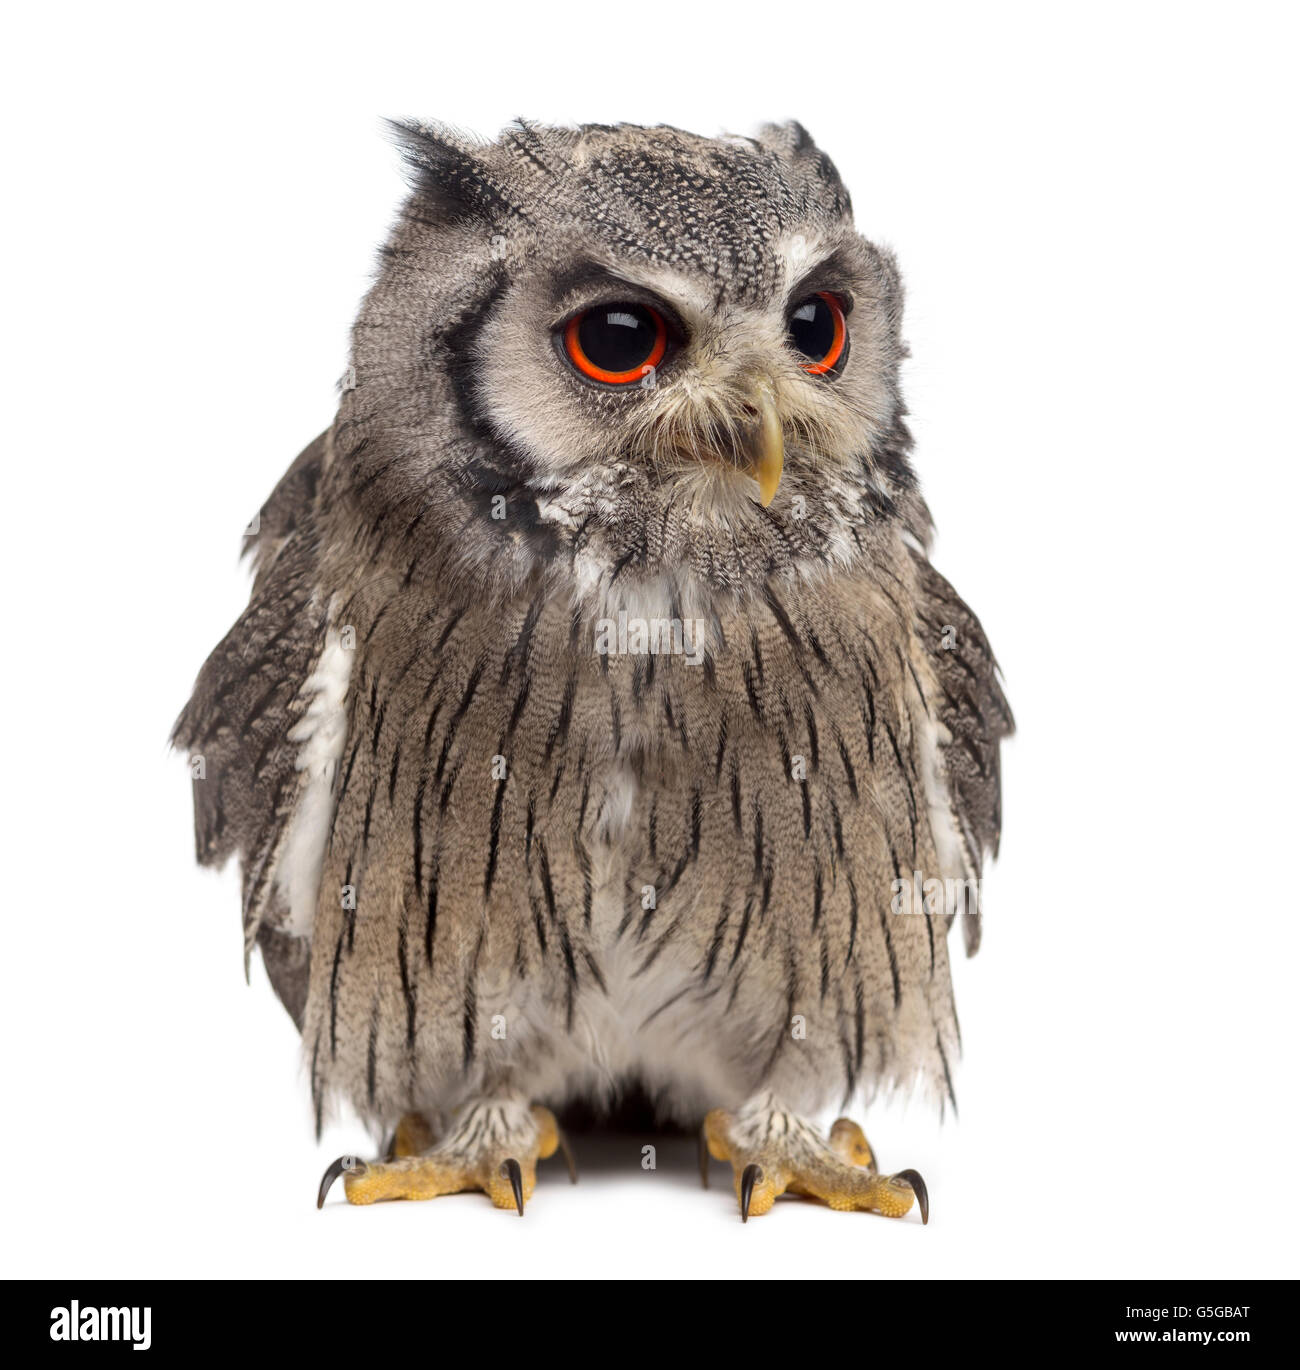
pixel 766 448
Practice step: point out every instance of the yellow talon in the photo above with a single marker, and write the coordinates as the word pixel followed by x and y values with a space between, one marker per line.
pixel 773 1152
pixel 849 1143
pixel 413 1136
pixel 493 1147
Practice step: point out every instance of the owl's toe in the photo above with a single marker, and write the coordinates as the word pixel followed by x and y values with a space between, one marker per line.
pixel 774 1152
pixel 493 1146
pixel 412 1137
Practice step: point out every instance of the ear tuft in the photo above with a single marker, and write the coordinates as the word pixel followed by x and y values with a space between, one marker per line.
pixel 450 170
pixel 786 140
pixel 793 143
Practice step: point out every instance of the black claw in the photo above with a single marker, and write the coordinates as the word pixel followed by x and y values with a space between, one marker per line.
pixel 344 1165
pixel 749 1175
pixel 510 1170
pixel 704 1160
pixel 568 1159
pixel 390 1147
pixel 913 1177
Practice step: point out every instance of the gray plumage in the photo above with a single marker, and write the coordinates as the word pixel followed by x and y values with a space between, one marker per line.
pixel 482 858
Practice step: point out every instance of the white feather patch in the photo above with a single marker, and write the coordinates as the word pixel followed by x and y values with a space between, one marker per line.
pixel 320 732
pixel 954 860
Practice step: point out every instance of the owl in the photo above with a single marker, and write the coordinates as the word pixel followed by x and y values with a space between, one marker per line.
pixel 597 725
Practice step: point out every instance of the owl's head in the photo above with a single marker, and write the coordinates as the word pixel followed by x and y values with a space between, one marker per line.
pixel 626 355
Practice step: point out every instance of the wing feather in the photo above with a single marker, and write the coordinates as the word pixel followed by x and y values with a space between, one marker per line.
pixel 973 717
pixel 246 702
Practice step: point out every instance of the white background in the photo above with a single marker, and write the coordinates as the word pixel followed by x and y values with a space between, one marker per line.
pixel 1096 218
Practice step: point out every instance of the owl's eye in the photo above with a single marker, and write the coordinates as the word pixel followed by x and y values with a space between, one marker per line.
pixel 616 344
pixel 818 330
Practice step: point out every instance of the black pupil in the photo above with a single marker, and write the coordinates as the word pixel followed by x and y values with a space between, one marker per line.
pixel 812 328
pixel 617 337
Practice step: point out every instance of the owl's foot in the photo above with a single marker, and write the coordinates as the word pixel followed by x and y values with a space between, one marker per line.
pixel 493 1146
pixel 772 1151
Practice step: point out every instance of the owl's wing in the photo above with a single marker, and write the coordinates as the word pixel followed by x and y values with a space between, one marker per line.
pixel 973 717
pixel 247 699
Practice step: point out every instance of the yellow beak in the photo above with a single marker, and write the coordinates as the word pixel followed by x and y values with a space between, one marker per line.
pixel 767 449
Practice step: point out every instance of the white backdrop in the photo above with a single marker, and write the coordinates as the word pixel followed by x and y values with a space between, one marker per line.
pixel 1096 219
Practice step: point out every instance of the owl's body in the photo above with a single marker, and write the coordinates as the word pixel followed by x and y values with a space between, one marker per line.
pixel 557 763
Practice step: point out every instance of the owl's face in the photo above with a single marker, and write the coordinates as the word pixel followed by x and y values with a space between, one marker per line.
pixel 631 352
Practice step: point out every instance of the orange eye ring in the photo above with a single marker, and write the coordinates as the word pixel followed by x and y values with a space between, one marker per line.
pixel 835 352
pixel 577 355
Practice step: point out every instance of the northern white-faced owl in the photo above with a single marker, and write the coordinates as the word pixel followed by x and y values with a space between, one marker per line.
pixel 597 722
